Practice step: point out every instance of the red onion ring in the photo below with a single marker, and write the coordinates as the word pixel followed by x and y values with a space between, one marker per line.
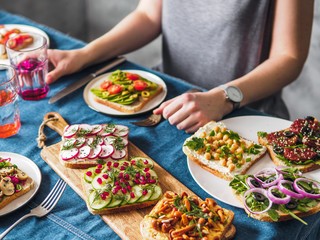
pixel 5 159
pixel 267 172
pixel 287 191
pixel 302 191
pixel 279 177
pixel 258 190
pixel 280 168
pixel 275 199
pixel 248 181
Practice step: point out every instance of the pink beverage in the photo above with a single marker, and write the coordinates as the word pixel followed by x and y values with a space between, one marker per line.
pixel 31 77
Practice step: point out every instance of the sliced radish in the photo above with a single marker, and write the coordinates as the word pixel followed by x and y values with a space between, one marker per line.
pixel 107 130
pixel 89 141
pixel 101 141
pixel 69 154
pixel 80 142
pixel 84 152
pixel 70 131
pixel 121 131
pixel 119 154
pixel 95 152
pixel 107 151
pixel 69 142
pixel 109 140
pixel 125 141
pixel 96 129
pixel 85 129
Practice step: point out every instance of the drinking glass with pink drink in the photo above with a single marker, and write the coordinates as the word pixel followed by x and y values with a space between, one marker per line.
pixel 28 55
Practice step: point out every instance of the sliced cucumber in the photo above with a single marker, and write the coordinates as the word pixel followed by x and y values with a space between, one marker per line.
pixel 115 201
pixel 146 197
pixel 122 163
pixel 87 178
pixel 153 174
pixel 140 162
pixel 156 193
pixel 126 198
pixel 97 184
pixel 137 191
pixel 96 202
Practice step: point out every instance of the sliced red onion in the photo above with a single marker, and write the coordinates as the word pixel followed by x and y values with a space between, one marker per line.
pixel 302 191
pixel 266 173
pixel 258 190
pixel 280 168
pixel 275 199
pixel 248 181
pixel 287 191
pixel 279 177
pixel 5 159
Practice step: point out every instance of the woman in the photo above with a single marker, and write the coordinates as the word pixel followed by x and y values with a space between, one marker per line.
pixel 257 47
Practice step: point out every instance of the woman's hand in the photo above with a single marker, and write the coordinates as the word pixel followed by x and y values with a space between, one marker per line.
pixel 63 63
pixel 190 111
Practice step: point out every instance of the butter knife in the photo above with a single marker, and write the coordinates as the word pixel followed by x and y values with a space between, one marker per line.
pixel 77 84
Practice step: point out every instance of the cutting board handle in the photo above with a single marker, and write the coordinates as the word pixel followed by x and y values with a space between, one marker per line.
pixel 58 123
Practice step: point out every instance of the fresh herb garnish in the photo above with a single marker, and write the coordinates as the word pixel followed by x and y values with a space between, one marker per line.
pixel 195 143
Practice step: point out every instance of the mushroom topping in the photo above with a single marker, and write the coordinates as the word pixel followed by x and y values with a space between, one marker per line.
pixel 5 171
pixel 6 186
pixel 21 176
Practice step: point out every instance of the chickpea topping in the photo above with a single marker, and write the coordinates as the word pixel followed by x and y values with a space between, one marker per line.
pixel 250 144
pixel 225 137
pixel 207 156
pixel 216 128
pixel 223 162
pixel 219 136
pixel 239 150
pixel 231 167
pixel 223 129
pixel 216 156
pixel 203 135
pixel 229 142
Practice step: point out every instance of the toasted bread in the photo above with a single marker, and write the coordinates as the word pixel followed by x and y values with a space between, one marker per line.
pixel 209 153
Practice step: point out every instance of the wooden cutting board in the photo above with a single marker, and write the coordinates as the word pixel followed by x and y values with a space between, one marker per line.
pixel 125 224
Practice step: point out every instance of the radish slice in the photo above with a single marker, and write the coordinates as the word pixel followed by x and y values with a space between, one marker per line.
pixel 89 141
pixel 84 152
pixel 80 142
pixel 121 131
pixel 69 142
pixel 109 140
pixel 107 130
pixel 85 129
pixel 69 154
pixel 101 141
pixel 106 152
pixel 70 131
pixel 95 152
pixel 119 154
pixel 125 141
pixel 96 129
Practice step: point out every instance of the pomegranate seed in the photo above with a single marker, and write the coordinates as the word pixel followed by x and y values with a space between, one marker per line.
pixel 89 173
pixel 124 190
pixel 142 178
pixel 109 169
pixel 126 163
pixel 114 191
pixel 105 176
pixel 116 164
pixel 143 182
pixel 99 166
pixel 132 195
pixel 127 176
pixel 148 175
pixel 97 171
pixel 122 180
pixel 137 181
pixel 133 162
pixel 99 180
pixel 175 209
pixel 145 162
pixel 121 175
pixel 119 187
pixel 103 197
pixel 106 193
pixel 109 164
pixel 122 168
pixel 129 187
pixel 144 192
pixel 146 169
pixel 153 181
pixel 116 183
pixel 137 175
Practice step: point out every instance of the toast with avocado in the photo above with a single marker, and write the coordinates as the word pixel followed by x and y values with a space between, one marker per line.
pixel 13 182
pixel 125 91
pixel 297 146
pixel 221 151
pixel 121 186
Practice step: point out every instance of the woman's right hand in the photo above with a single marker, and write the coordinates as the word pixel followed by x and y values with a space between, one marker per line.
pixel 64 62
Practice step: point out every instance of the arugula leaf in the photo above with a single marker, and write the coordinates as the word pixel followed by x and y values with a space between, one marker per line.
pixel 195 143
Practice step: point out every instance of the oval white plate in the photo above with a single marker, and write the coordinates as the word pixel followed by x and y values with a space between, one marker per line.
pixel 29 167
pixel 23 28
pixel 247 127
pixel 88 95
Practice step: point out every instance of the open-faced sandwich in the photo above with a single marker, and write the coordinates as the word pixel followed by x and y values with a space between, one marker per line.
pixel 121 186
pixel 277 194
pixel 17 43
pixel 126 92
pixel 187 217
pixel 298 146
pixel 222 151
pixel 13 182
pixel 85 145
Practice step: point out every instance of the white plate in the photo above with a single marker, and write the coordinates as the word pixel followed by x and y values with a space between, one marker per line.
pixel 24 28
pixel 247 127
pixel 29 167
pixel 88 95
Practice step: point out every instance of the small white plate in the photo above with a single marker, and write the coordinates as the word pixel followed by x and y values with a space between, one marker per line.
pixel 247 127
pixel 88 95
pixel 29 167
pixel 25 29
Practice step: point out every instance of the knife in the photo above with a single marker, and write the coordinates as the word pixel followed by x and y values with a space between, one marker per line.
pixel 77 84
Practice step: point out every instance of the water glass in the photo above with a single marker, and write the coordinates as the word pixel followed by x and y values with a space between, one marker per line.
pixel 27 53
pixel 9 109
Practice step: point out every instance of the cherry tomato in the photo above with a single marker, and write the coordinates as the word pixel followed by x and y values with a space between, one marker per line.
pixel 114 89
pixel 133 76
pixel 140 85
pixel 104 85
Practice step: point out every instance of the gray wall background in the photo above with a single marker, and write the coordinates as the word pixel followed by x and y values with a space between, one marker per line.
pixel 88 19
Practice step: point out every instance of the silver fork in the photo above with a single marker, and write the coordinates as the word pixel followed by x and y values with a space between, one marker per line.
pixel 45 207
pixel 154 119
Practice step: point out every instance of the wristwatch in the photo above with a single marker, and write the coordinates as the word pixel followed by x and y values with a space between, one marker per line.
pixel 233 94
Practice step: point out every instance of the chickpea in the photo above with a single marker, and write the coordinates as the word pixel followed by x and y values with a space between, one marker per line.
pixel 209 139
pixel 230 159
pixel 229 142
pixel 216 129
pixel 216 156
pixel 207 156
pixel 239 150
pixel 250 144
pixel 231 167
pixel 223 129
pixel 203 135
pixel 219 136
pixel 225 137
pixel 223 162
pixel 215 145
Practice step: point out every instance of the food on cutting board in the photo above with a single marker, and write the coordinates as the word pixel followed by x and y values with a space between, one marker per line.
pixel 277 194
pixel 126 92
pixel 85 145
pixel 297 146
pixel 13 182
pixel 179 216
pixel 221 151
pixel 17 44
pixel 121 186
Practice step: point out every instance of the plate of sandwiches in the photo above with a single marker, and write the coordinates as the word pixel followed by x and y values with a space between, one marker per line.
pixel 219 151
pixel 20 179
pixel 125 92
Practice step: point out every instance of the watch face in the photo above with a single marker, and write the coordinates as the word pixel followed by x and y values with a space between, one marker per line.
pixel 234 94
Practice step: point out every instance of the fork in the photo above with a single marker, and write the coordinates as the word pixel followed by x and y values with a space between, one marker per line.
pixel 45 207
pixel 154 119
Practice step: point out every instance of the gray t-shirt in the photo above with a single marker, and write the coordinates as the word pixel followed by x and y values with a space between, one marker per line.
pixel 212 42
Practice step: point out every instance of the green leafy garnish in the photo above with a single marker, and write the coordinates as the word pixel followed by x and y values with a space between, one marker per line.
pixel 195 143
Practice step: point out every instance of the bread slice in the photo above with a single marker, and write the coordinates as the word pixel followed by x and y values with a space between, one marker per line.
pixel 279 159
pixel 85 146
pixel 139 187
pixel 221 151
pixel 6 172
pixel 131 108
pixel 167 219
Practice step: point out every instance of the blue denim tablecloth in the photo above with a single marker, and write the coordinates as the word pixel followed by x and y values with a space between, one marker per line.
pixel 70 218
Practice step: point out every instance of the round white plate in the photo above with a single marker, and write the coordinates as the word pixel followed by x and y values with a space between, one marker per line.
pixel 29 167
pixel 247 127
pixel 88 95
pixel 24 28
